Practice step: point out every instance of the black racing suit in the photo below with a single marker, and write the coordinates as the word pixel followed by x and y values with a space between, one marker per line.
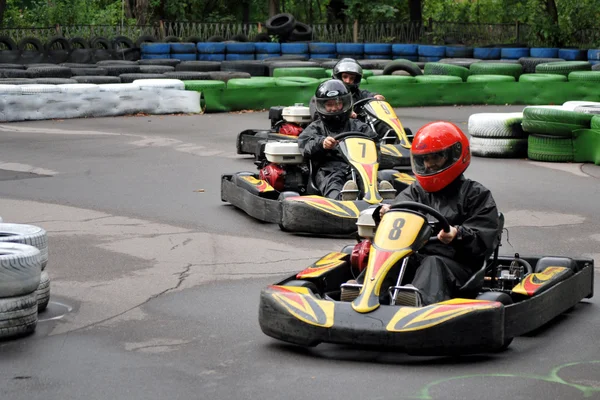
pixel 332 170
pixel 441 269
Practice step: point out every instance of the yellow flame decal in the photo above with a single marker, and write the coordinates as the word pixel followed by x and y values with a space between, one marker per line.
pixel 533 282
pixel 390 150
pixel 413 319
pixel 301 304
pixel 342 209
pixel 262 186
pixel 326 263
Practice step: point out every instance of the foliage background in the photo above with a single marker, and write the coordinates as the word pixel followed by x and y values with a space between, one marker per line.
pixel 551 22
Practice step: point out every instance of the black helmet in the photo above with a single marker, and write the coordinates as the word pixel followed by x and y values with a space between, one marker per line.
pixel 333 103
pixel 350 66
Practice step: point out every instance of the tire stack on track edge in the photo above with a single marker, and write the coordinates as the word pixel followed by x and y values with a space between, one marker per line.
pixel 498 135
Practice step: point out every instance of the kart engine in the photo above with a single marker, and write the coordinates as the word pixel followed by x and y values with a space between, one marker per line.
pixel 290 129
pixel 283 177
pixel 360 255
pixel 509 276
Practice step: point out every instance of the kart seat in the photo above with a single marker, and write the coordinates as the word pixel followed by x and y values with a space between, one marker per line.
pixel 475 283
pixel 545 262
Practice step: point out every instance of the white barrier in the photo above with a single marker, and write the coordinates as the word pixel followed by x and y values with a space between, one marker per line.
pixel 93 101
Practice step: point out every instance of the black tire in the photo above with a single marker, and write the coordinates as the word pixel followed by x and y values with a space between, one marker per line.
pixel 116 62
pixel 57 43
pixel 49 72
pixel 199 66
pixel 98 80
pixel 227 75
pixel 240 37
pixel 262 37
pixel 8 43
pixel 122 42
pixel 12 66
pixel 14 73
pixel 81 56
pixel 280 24
pixel 27 43
pixel 216 38
pixel 172 62
pixel 402 65
pixel 79 43
pixel 144 39
pixel 193 39
pixel 529 63
pixel 128 78
pixel 187 75
pixel 116 69
pixel 172 39
pixel 54 81
pixel 301 32
pixel 100 42
pixel 254 68
pixel 156 69
pixel 89 71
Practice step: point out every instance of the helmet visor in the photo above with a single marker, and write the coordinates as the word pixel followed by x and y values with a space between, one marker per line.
pixel 435 162
pixel 334 105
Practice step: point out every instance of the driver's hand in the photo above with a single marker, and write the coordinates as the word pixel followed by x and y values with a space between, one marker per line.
pixel 353 115
pixel 447 237
pixel 380 97
pixel 384 208
pixel 329 143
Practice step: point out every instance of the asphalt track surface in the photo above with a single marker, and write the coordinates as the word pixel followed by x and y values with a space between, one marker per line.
pixel 155 282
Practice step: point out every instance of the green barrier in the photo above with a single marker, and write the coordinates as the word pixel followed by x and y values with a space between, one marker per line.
pixel 490 78
pixel 255 82
pixel 294 81
pixel 586 145
pixel 411 94
pixel 390 79
pixel 311 72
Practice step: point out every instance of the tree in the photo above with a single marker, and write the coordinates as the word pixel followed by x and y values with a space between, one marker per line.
pixel 415 10
pixel 273 7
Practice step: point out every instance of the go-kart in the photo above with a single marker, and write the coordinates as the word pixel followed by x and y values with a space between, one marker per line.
pixel 283 190
pixel 288 122
pixel 509 296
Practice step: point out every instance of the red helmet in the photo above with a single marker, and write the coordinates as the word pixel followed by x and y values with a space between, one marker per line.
pixel 439 154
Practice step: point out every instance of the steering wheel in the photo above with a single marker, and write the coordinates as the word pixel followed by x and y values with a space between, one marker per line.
pixel 344 135
pixel 360 104
pixel 414 206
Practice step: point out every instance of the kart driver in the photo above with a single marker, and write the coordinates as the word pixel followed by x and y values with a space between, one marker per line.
pixel 316 142
pixel 439 155
pixel 349 71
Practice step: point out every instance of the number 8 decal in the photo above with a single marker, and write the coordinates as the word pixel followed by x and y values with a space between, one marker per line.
pixel 396 230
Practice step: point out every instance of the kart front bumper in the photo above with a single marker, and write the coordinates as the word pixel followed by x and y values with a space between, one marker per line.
pixel 304 319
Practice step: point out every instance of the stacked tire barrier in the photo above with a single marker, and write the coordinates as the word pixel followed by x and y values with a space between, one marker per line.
pixel 497 135
pixel 567 133
pixel 24 281
pixel 150 96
